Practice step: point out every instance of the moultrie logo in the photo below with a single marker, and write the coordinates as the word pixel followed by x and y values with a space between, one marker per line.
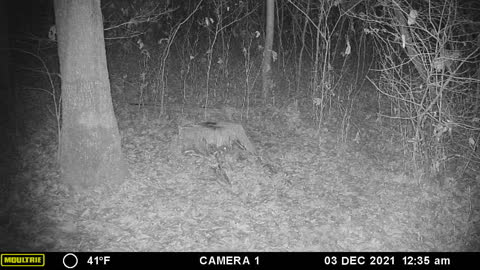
pixel 22 259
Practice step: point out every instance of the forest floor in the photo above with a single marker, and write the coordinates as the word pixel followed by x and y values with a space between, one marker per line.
pixel 303 191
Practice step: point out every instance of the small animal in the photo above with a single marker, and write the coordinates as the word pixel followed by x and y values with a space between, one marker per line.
pixel 211 125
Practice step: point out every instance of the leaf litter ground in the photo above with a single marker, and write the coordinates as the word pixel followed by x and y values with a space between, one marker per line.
pixel 301 193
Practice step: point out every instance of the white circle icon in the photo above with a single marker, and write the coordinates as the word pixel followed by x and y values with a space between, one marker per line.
pixel 70 266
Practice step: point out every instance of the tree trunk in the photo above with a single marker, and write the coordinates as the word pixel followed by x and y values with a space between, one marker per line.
pixel 267 53
pixel 90 151
pixel 302 49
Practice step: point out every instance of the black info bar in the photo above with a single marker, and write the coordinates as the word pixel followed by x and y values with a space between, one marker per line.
pixel 239 260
